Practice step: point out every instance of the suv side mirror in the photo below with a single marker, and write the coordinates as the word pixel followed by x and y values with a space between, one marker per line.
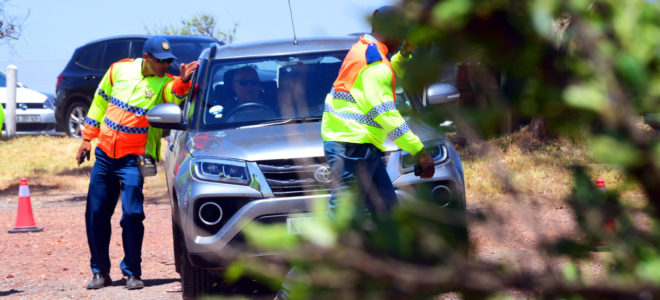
pixel 166 115
pixel 440 93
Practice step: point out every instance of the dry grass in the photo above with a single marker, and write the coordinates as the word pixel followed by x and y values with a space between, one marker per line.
pixel 50 165
pixel 494 170
pixel 520 166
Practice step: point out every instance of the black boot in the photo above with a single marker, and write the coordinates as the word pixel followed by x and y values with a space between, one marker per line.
pixel 134 283
pixel 99 280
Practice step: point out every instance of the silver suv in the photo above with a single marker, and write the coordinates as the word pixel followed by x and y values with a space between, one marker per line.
pixel 229 164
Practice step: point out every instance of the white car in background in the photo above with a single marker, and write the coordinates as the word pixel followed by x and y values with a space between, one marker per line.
pixel 34 110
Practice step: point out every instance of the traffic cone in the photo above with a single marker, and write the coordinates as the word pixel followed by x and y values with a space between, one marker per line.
pixel 24 218
pixel 610 225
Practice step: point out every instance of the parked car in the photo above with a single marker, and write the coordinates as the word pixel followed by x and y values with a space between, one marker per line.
pixel 264 162
pixel 34 110
pixel 79 80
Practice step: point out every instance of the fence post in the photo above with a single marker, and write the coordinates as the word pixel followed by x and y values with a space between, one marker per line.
pixel 10 106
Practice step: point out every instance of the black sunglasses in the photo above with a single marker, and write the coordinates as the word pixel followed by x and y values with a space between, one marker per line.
pixel 245 82
pixel 167 60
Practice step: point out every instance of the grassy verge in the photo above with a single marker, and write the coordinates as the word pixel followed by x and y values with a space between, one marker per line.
pixel 515 165
pixel 49 163
pixel 494 170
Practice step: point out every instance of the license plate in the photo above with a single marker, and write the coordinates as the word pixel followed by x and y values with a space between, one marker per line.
pixel 299 224
pixel 28 119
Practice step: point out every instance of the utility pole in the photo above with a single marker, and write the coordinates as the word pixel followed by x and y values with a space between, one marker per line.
pixel 10 106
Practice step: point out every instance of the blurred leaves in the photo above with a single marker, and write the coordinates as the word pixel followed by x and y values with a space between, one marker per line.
pixel 617 151
pixel 591 70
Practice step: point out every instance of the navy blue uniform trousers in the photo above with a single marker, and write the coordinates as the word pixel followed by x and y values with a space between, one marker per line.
pixel 358 173
pixel 111 177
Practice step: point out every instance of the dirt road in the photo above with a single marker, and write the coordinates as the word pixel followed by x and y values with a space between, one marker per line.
pixel 54 263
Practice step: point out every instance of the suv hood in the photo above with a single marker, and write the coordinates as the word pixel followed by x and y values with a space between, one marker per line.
pixel 273 142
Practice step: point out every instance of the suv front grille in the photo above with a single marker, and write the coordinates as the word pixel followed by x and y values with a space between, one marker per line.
pixel 295 177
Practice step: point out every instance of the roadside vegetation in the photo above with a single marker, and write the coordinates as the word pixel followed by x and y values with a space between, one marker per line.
pixel 49 163
pixel 581 74
pixel 535 171
pixel 539 171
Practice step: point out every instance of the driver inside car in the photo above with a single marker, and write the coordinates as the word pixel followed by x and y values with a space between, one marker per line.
pixel 246 85
pixel 248 101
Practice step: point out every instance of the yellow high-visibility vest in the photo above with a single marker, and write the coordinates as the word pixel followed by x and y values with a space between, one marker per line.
pixel 360 107
pixel 117 115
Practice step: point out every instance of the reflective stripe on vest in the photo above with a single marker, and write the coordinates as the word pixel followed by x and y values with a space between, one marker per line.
pixel 138 111
pixel 342 95
pixel 125 129
pixel 399 131
pixel 360 118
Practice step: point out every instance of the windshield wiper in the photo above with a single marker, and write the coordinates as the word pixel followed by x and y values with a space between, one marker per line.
pixel 278 122
pixel 285 121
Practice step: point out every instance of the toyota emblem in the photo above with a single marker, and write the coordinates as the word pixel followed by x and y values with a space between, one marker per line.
pixel 323 174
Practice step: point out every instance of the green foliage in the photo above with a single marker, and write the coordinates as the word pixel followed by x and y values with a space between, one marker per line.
pixel 591 68
pixel 202 25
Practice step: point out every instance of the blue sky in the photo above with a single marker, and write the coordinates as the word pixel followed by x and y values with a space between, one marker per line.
pixel 52 30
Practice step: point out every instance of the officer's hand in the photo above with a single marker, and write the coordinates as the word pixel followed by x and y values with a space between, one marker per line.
pixel 85 147
pixel 186 71
pixel 407 48
pixel 426 164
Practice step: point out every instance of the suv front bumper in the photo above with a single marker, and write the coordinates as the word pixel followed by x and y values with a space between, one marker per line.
pixel 207 248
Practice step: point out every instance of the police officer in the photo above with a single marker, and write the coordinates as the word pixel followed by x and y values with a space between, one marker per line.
pixel 360 114
pixel 117 118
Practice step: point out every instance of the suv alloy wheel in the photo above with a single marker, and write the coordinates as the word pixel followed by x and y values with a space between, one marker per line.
pixel 75 119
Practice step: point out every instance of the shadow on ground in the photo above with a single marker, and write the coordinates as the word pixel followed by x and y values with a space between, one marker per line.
pixel 148 282
pixel 9 292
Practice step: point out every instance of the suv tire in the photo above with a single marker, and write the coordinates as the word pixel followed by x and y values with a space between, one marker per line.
pixel 177 242
pixel 75 118
pixel 195 282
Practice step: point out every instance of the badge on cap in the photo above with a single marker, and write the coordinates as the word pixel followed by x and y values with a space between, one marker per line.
pixel 166 46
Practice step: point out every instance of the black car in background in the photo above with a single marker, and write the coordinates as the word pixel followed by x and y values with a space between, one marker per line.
pixel 80 78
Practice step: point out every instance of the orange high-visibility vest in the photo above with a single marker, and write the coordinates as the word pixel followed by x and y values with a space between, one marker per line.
pixel 117 115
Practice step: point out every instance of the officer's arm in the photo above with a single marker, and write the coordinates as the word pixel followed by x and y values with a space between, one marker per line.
pixel 377 84
pixel 177 89
pixel 398 62
pixel 99 105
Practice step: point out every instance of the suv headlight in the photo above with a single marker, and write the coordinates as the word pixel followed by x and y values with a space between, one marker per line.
pixel 436 149
pixel 221 170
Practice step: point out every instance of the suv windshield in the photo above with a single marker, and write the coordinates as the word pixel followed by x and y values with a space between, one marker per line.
pixel 271 90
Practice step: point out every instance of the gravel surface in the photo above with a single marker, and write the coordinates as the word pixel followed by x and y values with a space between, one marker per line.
pixel 54 263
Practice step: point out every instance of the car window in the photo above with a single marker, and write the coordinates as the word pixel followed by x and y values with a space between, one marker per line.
pixel 289 87
pixel 3 80
pixel 187 51
pixel 115 51
pixel 136 49
pixel 91 56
